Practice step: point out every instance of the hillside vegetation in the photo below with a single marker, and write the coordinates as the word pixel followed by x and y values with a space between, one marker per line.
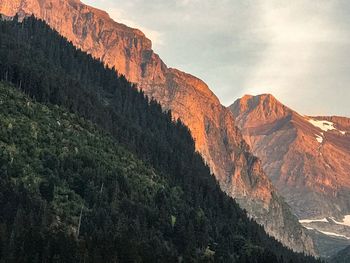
pixel 93 171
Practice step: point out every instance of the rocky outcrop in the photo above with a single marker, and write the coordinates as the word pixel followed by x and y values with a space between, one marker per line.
pixel 212 125
pixel 307 158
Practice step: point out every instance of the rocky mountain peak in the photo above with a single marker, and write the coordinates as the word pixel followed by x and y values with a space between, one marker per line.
pixel 307 158
pixel 264 108
pixel 262 99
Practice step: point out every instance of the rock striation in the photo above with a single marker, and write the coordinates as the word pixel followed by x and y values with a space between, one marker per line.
pixel 212 125
pixel 308 160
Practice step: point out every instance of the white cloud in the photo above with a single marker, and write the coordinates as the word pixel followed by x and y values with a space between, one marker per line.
pixel 296 50
pixel 186 2
pixel 296 35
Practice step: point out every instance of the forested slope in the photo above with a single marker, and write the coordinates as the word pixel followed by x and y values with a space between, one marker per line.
pixel 57 168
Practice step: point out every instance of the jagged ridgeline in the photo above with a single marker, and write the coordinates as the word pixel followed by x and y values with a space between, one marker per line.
pixel 93 171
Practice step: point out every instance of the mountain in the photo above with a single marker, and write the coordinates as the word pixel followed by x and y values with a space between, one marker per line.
pixel 94 171
pixel 64 195
pixel 307 159
pixel 342 256
pixel 212 125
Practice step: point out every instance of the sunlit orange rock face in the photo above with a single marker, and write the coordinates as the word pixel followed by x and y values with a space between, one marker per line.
pixel 212 125
pixel 307 158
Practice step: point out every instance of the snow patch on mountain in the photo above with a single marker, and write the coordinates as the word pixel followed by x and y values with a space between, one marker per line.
pixel 345 222
pixel 333 234
pixel 319 138
pixel 307 221
pixel 323 125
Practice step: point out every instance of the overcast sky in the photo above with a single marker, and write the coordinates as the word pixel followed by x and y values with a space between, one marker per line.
pixel 297 50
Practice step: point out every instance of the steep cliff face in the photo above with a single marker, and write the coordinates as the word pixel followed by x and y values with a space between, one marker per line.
pixel 212 125
pixel 307 159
